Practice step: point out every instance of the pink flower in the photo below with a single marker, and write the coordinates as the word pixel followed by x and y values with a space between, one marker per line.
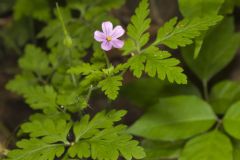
pixel 109 36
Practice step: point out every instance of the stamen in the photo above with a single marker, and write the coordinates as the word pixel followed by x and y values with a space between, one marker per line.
pixel 109 38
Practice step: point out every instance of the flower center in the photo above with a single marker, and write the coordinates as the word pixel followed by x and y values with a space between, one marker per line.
pixel 109 38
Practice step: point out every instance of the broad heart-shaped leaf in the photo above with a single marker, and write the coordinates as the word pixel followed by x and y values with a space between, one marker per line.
pixel 210 146
pixel 215 53
pixel 145 92
pixel 156 150
pixel 223 95
pixel 231 121
pixel 36 149
pixel 174 118
pixel 199 8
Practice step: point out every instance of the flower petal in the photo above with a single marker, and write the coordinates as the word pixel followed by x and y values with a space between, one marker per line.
pixel 107 28
pixel 99 36
pixel 106 46
pixel 117 43
pixel 117 32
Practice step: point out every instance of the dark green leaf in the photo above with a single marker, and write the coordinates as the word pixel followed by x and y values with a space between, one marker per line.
pixel 175 118
pixel 156 150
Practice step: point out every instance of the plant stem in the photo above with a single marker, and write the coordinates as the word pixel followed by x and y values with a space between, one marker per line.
pixel 61 20
pixel 91 88
pixel 219 123
pixel 74 80
pixel 205 89
pixel 107 60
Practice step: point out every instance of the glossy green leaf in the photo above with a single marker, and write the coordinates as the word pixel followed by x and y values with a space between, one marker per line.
pixel 175 118
pixel 157 150
pixel 210 146
pixel 223 95
pixel 231 121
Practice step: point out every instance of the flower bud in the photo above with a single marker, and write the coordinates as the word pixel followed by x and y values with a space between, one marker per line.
pixel 68 41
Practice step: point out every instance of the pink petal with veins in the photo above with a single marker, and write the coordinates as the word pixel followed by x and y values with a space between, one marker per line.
pixel 99 36
pixel 117 32
pixel 107 46
pixel 107 28
pixel 117 43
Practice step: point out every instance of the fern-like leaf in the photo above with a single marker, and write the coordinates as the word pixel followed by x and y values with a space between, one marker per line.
pixel 95 138
pixel 174 34
pixel 48 129
pixel 36 149
pixel 110 86
pixel 159 63
pixel 137 28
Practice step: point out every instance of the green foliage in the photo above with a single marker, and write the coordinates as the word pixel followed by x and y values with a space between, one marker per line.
pixel 161 65
pixel 231 120
pixel 110 86
pixel 96 137
pixel 34 60
pixel 211 146
pixel 48 129
pixel 215 53
pixel 199 8
pixel 175 34
pixel 35 148
pixel 41 98
pixel 152 60
pixel 156 150
pixel 58 80
pixel 21 83
pixel 93 138
pixel 157 64
pixel 236 151
pixel 174 119
pixel 139 25
pixel 38 9
pixel 145 92
pixel 223 95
